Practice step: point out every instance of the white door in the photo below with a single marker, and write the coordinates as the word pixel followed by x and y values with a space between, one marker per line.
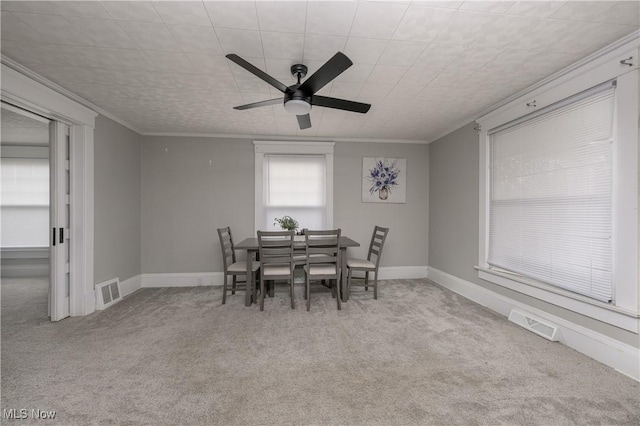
pixel 60 221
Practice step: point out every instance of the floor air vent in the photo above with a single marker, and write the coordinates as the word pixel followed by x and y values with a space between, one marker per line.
pixel 536 325
pixel 107 293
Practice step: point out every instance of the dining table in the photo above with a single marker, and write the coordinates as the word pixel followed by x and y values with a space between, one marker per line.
pixel 250 245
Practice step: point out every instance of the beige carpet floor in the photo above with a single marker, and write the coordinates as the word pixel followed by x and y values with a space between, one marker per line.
pixel 418 355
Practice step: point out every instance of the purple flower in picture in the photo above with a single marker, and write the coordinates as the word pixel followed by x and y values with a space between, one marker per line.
pixel 383 177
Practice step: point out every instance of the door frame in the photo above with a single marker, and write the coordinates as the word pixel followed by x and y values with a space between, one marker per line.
pixel 24 89
pixel 60 220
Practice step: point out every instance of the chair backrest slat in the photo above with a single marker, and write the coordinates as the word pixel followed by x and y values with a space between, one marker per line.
pixel 226 244
pixel 377 243
pixel 323 247
pixel 275 247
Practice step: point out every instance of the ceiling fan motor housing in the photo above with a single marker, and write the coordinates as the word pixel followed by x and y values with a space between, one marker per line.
pixel 296 101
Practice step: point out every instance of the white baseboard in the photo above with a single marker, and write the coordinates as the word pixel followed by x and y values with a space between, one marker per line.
pixel 20 262
pixel 89 302
pixel 401 272
pixel 130 285
pixel 196 279
pixel 25 270
pixel 187 279
pixel 613 353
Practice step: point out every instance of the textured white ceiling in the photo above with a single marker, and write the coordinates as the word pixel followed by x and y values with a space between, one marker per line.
pixel 424 65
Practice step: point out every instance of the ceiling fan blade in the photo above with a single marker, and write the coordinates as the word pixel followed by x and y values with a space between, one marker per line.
pixel 325 101
pixel 330 70
pixel 304 121
pixel 257 72
pixel 260 104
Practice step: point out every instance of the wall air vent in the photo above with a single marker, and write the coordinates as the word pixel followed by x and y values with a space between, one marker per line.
pixel 534 324
pixel 107 293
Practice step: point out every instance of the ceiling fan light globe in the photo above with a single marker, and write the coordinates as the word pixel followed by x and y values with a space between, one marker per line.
pixel 297 107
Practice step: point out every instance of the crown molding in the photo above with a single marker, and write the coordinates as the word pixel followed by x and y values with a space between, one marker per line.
pixel 629 41
pixel 61 90
pixel 282 138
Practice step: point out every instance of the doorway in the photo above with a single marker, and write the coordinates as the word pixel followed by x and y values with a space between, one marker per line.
pixel 25 211
pixel 35 208
pixel 24 90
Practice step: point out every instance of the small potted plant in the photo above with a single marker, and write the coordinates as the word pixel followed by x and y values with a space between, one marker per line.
pixel 287 223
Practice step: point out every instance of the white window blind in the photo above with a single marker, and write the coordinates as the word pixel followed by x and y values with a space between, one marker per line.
pixel 25 181
pixel 295 186
pixel 550 211
pixel 25 202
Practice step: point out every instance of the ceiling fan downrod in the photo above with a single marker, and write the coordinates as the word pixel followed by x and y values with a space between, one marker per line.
pixel 299 70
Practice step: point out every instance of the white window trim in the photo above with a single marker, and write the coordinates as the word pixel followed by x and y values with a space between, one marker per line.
pixel 624 312
pixel 263 148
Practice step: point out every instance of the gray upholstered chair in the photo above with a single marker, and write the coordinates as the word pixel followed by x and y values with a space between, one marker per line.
pixel 275 249
pixel 370 264
pixel 322 261
pixel 233 268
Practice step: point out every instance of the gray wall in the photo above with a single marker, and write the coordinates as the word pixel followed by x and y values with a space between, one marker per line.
pixel 406 243
pixel 184 200
pixel 117 201
pixel 453 223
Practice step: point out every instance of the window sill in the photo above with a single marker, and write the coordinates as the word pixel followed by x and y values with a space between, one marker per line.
pixel 607 313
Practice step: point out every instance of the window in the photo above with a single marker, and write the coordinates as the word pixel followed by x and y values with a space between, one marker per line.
pixel 550 203
pixel 558 191
pixel 294 179
pixel 25 202
pixel 295 186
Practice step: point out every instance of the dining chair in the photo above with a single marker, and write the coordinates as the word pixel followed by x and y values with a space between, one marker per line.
pixel 371 263
pixel 322 261
pixel 299 254
pixel 233 268
pixel 275 249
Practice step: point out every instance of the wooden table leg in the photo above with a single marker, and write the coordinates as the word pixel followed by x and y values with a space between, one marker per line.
pixel 249 295
pixel 343 274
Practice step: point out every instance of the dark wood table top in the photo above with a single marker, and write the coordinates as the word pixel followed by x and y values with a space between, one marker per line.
pixel 252 243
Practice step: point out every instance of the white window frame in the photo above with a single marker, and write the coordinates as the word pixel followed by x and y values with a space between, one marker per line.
pixel 624 311
pixel 263 148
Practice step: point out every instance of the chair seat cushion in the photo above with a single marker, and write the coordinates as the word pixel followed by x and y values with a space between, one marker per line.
pixel 321 270
pixel 241 267
pixel 360 264
pixel 274 270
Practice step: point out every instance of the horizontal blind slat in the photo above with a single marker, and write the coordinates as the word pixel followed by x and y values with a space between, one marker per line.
pixel 550 207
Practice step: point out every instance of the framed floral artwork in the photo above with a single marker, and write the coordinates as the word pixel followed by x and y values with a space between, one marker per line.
pixel 384 180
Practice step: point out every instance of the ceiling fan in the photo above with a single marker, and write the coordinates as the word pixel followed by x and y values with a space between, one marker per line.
pixel 299 97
